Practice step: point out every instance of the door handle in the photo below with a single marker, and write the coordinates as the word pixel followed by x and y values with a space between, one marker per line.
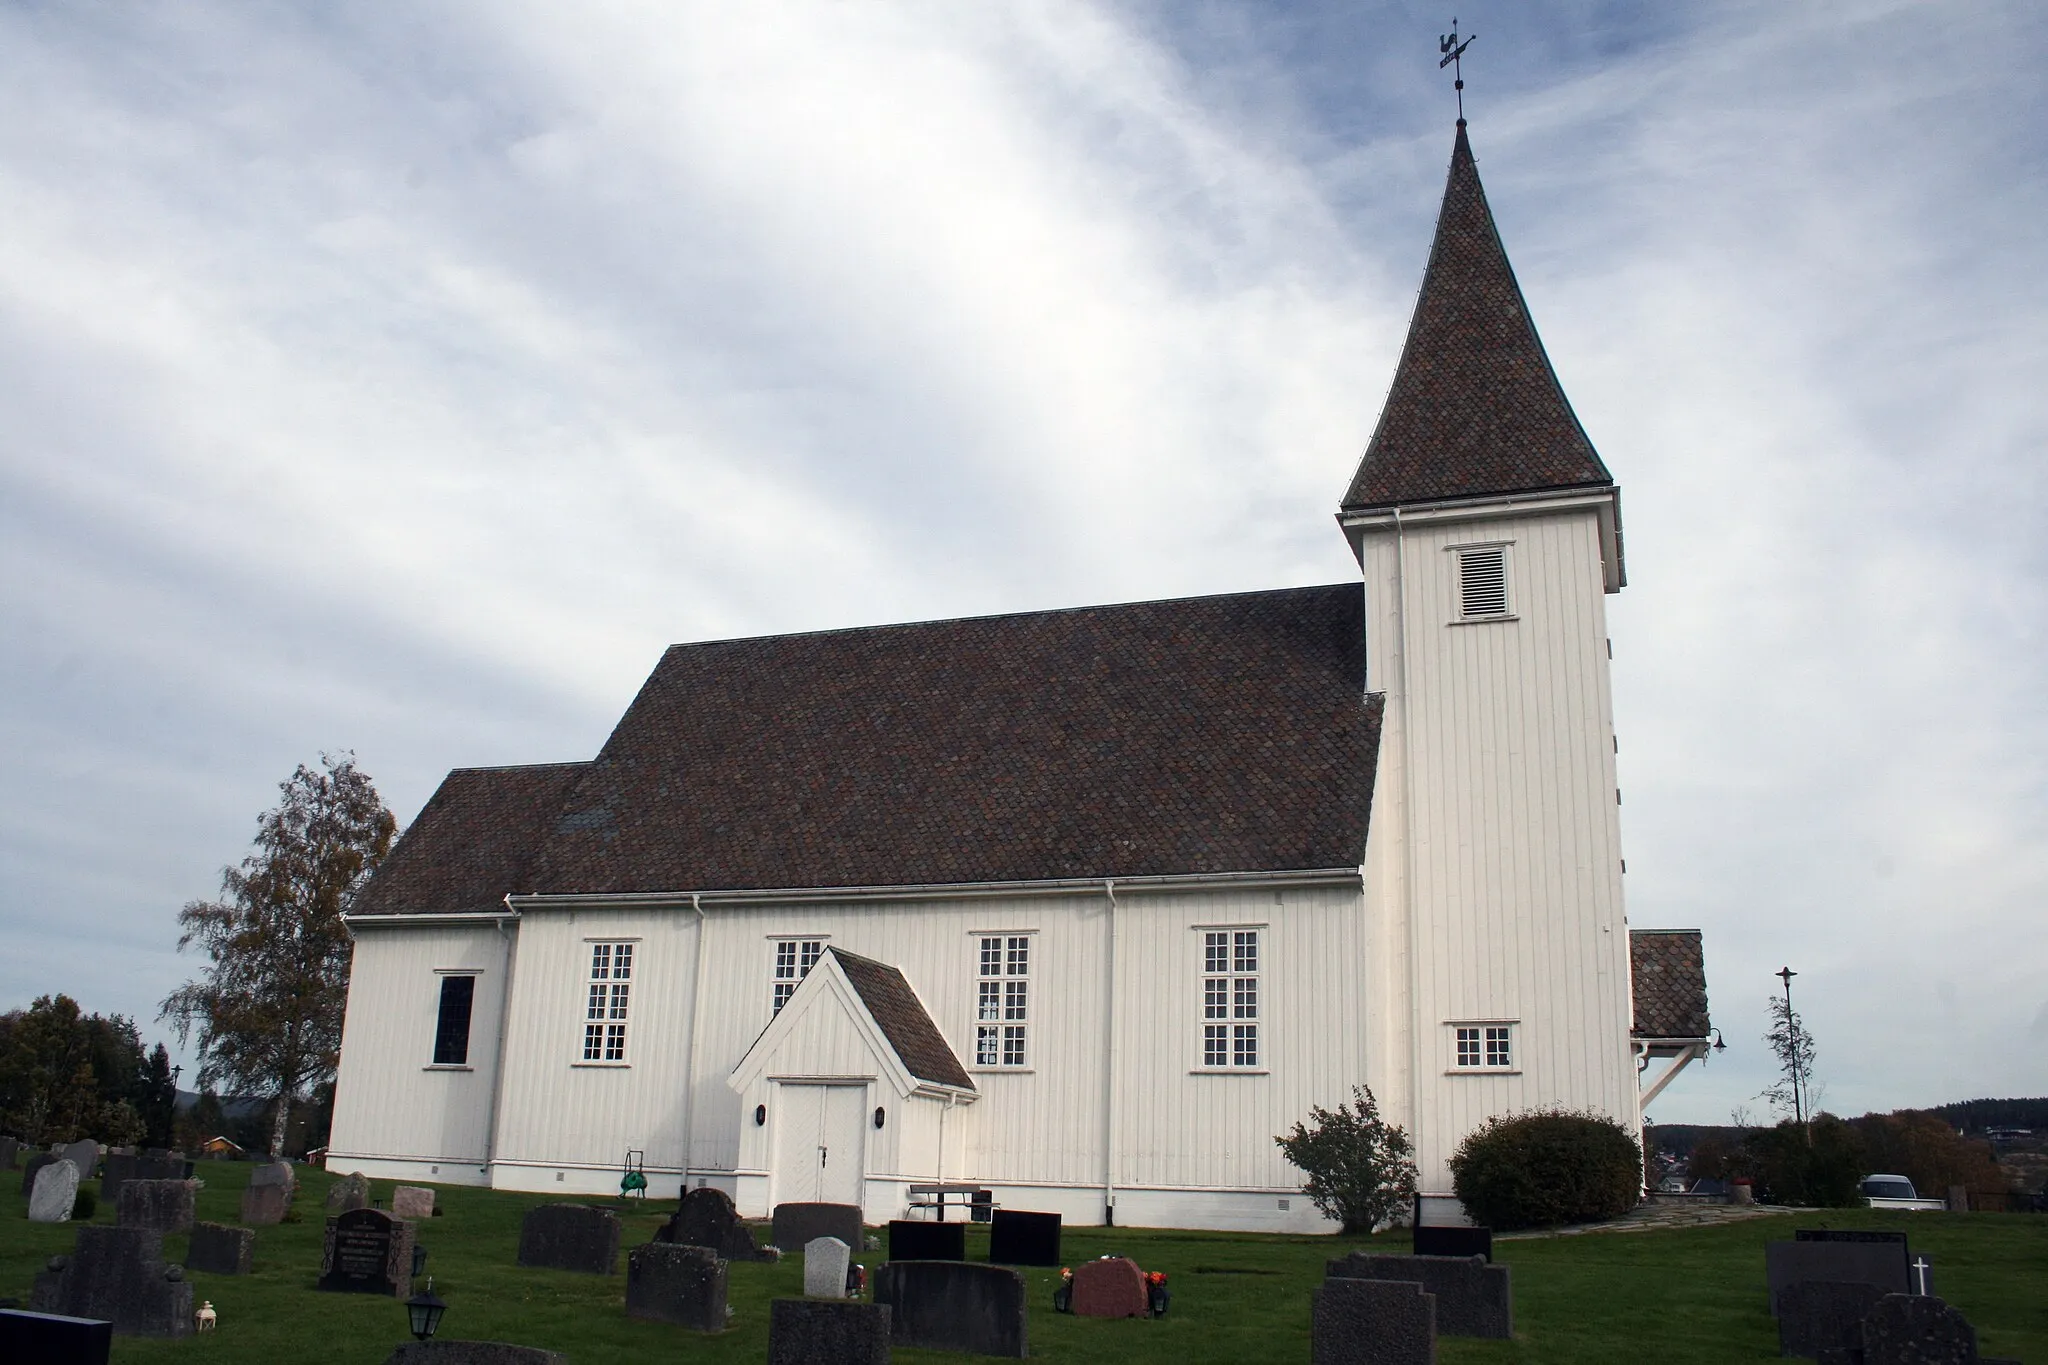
pixel 821 1158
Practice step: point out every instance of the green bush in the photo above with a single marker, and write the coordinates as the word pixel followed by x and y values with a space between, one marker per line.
pixel 1360 1168
pixel 1820 1166
pixel 85 1204
pixel 1549 1167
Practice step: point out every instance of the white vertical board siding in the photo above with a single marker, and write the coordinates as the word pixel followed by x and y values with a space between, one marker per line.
pixel 390 1101
pixel 556 1112
pixel 1502 746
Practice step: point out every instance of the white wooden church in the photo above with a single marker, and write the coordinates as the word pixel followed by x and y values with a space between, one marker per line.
pixel 1083 907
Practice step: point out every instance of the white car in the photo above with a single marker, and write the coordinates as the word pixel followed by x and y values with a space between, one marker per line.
pixel 1896 1192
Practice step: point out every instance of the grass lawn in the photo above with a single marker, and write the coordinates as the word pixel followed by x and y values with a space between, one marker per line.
pixel 1691 1295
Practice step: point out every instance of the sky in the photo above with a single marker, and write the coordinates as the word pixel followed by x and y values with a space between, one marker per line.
pixel 403 378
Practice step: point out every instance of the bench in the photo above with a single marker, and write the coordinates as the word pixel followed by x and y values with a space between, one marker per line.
pixel 977 1200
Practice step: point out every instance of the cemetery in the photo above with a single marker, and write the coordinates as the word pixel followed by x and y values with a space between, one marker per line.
pixel 644 1279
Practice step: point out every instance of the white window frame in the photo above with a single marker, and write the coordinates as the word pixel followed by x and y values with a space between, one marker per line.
pixel 1484 1047
pixel 607 1000
pixel 1467 552
pixel 791 957
pixel 1230 1038
pixel 1002 998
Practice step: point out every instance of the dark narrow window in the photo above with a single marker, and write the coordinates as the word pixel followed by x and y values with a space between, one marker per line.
pixel 451 1031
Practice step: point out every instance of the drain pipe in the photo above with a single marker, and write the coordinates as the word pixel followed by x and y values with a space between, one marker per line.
pixel 690 1056
pixel 504 1023
pixel 1408 847
pixel 1109 1071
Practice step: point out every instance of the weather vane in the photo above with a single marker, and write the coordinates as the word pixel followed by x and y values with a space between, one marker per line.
pixel 1452 50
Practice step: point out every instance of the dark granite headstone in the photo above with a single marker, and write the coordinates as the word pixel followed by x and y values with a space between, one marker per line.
pixel 352 1191
pixel 1431 1241
pixel 1112 1287
pixel 1912 1329
pixel 1847 1235
pixel 796 1226
pixel 1473 1299
pixel 158 1205
pixel 118 1274
pixel 706 1218
pixel 818 1332
pixel 28 1172
pixel 53 1339
pixel 1016 1237
pixel 1817 1315
pixel 912 1240
pixel 954 1306
pixel 84 1154
pixel 570 1237
pixel 9 1149
pixel 472 1353
pixel 1862 1261
pixel 219 1249
pixel 671 1282
pixel 1371 1322
pixel 367 1251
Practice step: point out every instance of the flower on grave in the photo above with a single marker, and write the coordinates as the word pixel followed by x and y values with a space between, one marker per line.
pixel 1066 1274
pixel 1156 1277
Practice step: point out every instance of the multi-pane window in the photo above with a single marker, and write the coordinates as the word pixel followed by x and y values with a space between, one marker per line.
pixel 1485 1046
pixel 794 958
pixel 1002 1009
pixel 604 1015
pixel 1482 581
pixel 1230 997
pixel 451 1024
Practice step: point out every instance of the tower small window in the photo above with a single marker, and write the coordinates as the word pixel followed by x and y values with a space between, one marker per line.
pixel 1482 581
pixel 1483 1046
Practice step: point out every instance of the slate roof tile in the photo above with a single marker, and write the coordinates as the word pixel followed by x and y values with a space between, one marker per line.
pixel 903 1020
pixel 1669 972
pixel 471 843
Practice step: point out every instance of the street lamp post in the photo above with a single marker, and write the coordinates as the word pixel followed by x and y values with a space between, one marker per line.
pixel 1785 974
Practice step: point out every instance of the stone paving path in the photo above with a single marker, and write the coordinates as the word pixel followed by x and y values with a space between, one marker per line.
pixel 1651 1216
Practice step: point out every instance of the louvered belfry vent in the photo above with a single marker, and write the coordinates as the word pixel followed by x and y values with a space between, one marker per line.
pixel 1483 581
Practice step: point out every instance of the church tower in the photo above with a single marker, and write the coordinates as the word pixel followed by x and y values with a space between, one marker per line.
pixel 1489 533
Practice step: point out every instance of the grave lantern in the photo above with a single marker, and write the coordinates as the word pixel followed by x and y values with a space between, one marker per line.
pixel 425 1310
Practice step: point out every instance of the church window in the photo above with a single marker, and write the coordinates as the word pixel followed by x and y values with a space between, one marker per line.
pixel 794 958
pixel 451 1024
pixel 1482 581
pixel 1230 998
pixel 1483 1047
pixel 604 1014
pixel 1002 1005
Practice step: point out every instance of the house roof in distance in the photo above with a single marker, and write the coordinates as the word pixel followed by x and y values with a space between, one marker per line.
pixel 902 1017
pixel 1475 409
pixel 1669 971
pixel 1203 735
pixel 471 843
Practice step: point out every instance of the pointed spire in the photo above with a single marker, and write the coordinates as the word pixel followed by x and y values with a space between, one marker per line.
pixel 1475 409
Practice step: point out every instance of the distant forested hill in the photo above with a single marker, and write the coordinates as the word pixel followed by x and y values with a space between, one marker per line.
pixel 1973 1116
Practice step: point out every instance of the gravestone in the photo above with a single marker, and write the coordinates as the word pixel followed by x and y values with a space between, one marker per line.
pixel 28 1172
pixel 814 1332
pixel 1839 1259
pixel 954 1306
pixel 706 1218
pixel 1113 1287
pixel 412 1201
pixel 825 1263
pixel 219 1249
pixel 55 1192
pixel 570 1237
pixel 367 1251
pixel 911 1240
pixel 119 1275
pixel 158 1205
pixel 1431 1241
pixel 352 1191
pixel 84 1155
pixel 673 1283
pixel 280 1173
pixel 1016 1237
pixel 1371 1322
pixel 796 1226
pixel 269 1194
pixel 1897 1239
pixel 1914 1329
pixel 472 1353
pixel 9 1149
pixel 1959 1199
pixel 1819 1315
pixel 53 1339
pixel 1473 1299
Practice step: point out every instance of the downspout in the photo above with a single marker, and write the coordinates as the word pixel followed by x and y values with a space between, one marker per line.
pixel 504 1027
pixel 1408 844
pixel 1109 1071
pixel 690 1054
pixel 940 1178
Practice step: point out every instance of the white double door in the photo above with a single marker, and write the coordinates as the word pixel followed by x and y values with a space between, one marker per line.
pixel 819 1136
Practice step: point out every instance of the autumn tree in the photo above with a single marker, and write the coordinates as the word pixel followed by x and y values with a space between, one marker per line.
pixel 267 1009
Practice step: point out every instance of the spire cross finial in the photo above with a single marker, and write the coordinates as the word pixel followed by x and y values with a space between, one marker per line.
pixel 1452 50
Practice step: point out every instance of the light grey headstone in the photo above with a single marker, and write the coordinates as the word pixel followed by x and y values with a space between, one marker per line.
pixel 55 1192
pixel 412 1201
pixel 264 1206
pixel 84 1155
pixel 825 1262
pixel 274 1173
